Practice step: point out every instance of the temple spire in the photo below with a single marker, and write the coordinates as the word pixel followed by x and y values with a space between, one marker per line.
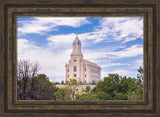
pixel 76 34
pixel 76 46
pixel 76 40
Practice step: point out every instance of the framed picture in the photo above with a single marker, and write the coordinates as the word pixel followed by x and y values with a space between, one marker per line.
pixel 74 58
pixel 103 62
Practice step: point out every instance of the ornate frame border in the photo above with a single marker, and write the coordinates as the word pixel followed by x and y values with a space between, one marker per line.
pixel 10 10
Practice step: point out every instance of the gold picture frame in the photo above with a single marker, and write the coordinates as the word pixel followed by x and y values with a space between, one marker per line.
pixel 10 10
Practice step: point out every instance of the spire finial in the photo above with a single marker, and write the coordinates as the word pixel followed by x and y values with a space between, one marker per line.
pixel 76 34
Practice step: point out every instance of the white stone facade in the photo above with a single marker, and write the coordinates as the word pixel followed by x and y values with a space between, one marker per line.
pixel 82 70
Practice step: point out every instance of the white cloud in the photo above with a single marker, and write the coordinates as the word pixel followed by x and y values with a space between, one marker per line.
pixel 123 28
pixel 112 64
pixel 121 72
pixel 92 55
pixel 67 39
pixel 61 40
pixel 127 39
pixel 46 24
pixel 137 63
pixel 132 51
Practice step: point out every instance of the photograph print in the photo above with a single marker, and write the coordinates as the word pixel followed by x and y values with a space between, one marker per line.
pixel 80 58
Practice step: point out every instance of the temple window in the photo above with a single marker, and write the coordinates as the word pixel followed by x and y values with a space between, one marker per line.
pixel 75 68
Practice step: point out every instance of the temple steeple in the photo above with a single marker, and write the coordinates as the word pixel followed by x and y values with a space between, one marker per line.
pixel 76 46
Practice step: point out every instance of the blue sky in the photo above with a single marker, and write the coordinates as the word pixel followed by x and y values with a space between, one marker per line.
pixel 114 43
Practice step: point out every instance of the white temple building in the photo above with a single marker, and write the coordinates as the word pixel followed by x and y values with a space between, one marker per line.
pixel 82 70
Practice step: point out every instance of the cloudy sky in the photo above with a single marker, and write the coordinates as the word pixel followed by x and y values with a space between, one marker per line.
pixel 114 43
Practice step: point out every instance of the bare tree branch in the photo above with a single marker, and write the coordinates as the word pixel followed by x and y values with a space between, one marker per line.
pixel 25 71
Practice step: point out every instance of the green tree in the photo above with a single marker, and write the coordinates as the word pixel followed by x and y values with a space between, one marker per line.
pixel 73 81
pixel 43 89
pixel 83 90
pixel 63 94
pixel 68 92
pixel 67 82
pixel 108 85
pixel 137 93
pixel 93 82
pixel 127 84
pixel 73 87
pixel 120 96
pixel 103 96
pixel 80 82
pixel 88 88
pixel 140 74
pixel 116 87
pixel 88 96
pixel 62 82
